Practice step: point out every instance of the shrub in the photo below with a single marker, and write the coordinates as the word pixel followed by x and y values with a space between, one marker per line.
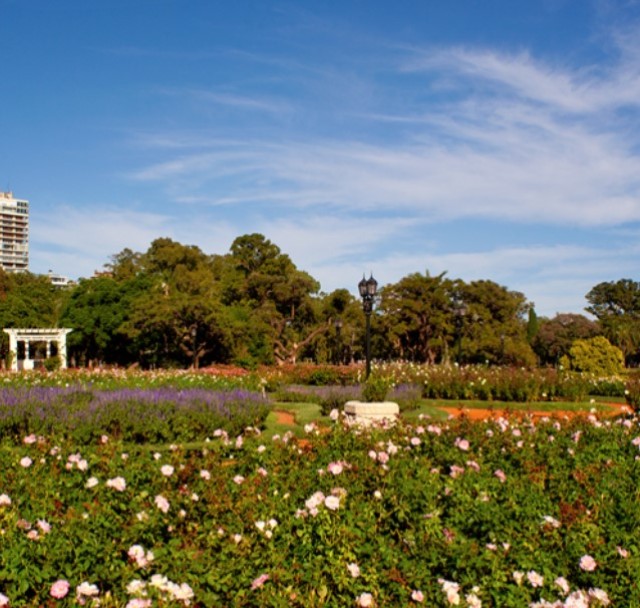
pixel 328 397
pixel 376 388
pixel 51 364
pixel 594 356
pixel 335 397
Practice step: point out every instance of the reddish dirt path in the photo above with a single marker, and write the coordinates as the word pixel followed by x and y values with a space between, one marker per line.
pixel 287 418
pixel 484 414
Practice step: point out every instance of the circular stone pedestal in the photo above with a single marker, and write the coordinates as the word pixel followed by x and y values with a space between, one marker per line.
pixel 367 413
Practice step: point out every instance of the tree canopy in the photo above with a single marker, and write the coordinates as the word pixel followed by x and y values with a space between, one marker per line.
pixel 616 305
pixel 175 305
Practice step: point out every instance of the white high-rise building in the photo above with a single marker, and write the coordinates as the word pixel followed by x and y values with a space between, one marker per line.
pixel 14 233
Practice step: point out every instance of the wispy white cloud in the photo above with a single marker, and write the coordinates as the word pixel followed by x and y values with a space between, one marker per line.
pixel 566 176
pixel 547 145
pixel 237 101
pixel 78 242
pixel 377 160
pixel 579 90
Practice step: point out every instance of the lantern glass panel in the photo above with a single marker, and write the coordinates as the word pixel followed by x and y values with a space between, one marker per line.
pixel 372 286
pixel 362 287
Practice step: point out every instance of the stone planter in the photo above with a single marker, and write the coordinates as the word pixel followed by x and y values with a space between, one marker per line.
pixel 365 413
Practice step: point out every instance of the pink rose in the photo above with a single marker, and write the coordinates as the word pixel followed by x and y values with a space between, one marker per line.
pixel 587 563
pixel 59 589
pixel 365 600
pixel 258 582
pixel 461 444
pixel 417 596
pixel 500 474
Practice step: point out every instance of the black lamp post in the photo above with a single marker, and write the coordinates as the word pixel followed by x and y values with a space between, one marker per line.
pixel 367 289
pixel 459 310
pixel 338 355
pixel 194 333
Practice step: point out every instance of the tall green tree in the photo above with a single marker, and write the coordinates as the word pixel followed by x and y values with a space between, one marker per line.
pixel 28 301
pixel 342 342
pixel 283 312
pixel 494 329
pixel 97 309
pixel 417 316
pixel 616 305
pixel 177 319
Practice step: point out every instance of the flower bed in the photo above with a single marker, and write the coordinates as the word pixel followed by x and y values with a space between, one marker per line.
pixel 436 381
pixel 139 415
pixel 214 378
pixel 506 513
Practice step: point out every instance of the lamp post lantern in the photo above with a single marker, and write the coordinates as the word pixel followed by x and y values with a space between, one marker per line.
pixel 367 289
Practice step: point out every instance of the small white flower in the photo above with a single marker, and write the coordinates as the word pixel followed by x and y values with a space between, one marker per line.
pixel 535 579
pixel 162 503
pixel 92 482
pixel 332 502
pixel 117 483
pixel 87 589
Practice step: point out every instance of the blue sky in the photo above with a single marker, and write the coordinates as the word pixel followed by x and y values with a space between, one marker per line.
pixel 492 139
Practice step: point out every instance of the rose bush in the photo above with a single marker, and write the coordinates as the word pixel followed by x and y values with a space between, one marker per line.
pixel 508 513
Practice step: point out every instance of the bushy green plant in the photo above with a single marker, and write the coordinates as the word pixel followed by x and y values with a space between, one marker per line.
pixel 595 356
pixel 376 388
pixel 51 364
pixel 310 374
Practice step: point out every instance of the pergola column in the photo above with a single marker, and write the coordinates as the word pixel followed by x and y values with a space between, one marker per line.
pixel 62 349
pixel 13 348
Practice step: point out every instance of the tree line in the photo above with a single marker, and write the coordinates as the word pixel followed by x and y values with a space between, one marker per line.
pixel 176 306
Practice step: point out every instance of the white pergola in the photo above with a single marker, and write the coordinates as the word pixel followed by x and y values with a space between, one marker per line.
pixel 27 336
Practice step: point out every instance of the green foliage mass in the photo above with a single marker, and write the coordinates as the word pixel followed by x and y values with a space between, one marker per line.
pixel 595 356
pixel 175 306
pixel 616 305
pixel 376 388
pixel 555 336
